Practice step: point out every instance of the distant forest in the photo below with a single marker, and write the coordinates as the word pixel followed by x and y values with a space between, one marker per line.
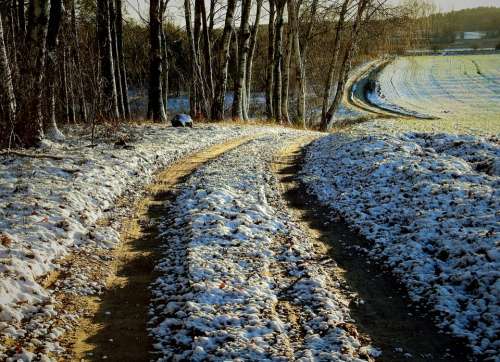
pixel 445 25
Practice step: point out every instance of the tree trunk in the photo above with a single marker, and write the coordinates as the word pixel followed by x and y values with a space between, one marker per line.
pixel 222 63
pixel 333 62
pixel 76 56
pixel 116 63
pixel 38 14
pixel 207 54
pixel 155 63
pixel 106 58
pixel 251 52
pixel 64 85
pixel 51 129
pixel 165 68
pixel 345 66
pixel 299 60
pixel 278 60
pixel 7 91
pixel 121 58
pixel 286 76
pixel 239 109
pixel 21 18
pixel 270 60
pixel 197 87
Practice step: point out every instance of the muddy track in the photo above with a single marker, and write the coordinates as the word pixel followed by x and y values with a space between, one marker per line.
pixel 380 305
pixel 115 324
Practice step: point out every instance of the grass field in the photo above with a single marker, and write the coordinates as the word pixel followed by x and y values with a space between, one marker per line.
pixel 462 91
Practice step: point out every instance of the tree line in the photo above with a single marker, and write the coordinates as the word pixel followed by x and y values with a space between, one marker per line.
pixel 68 61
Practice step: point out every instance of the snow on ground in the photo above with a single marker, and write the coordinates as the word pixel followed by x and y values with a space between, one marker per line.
pixel 430 204
pixel 49 207
pixel 239 280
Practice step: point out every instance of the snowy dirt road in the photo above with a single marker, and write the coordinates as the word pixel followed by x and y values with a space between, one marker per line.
pixel 225 256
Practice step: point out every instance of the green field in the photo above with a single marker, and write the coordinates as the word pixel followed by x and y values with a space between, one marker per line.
pixel 462 91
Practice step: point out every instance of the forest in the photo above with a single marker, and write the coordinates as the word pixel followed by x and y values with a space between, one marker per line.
pixel 67 61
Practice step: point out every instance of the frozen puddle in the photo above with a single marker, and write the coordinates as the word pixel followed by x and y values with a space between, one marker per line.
pixel 239 279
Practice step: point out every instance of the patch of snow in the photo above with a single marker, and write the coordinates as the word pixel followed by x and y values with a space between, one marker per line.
pixel 49 208
pixel 239 280
pixel 432 215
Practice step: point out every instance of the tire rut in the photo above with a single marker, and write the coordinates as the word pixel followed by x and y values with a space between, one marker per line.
pixel 115 323
pixel 379 304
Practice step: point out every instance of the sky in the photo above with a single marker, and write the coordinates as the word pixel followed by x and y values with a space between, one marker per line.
pixel 175 6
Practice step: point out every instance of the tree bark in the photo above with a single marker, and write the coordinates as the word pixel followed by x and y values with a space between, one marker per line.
pixel 155 63
pixel 7 91
pixel 21 18
pixel 121 58
pixel 333 61
pixel 222 63
pixel 270 60
pixel 207 54
pixel 285 88
pixel 116 63
pixel 38 14
pixel 278 60
pixel 56 6
pixel 197 89
pixel 165 71
pixel 239 109
pixel 76 56
pixel 106 58
pixel 299 60
pixel 251 52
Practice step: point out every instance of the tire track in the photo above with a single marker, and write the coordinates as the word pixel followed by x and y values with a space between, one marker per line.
pixel 115 324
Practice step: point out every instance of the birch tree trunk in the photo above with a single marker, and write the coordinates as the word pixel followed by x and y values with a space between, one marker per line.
pixel 251 52
pixel 239 109
pixel 270 59
pixel 222 62
pixel 278 60
pixel 157 108
pixel 106 59
pixel 7 91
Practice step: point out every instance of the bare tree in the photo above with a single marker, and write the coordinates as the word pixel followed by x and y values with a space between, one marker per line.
pixel 56 12
pixel 121 59
pixel 106 59
pixel 38 14
pixel 222 62
pixel 239 108
pixel 334 57
pixel 251 53
pixel 271 35
pixel 156 105
pixel 345 64
pixel 278 60
pixel 6 89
